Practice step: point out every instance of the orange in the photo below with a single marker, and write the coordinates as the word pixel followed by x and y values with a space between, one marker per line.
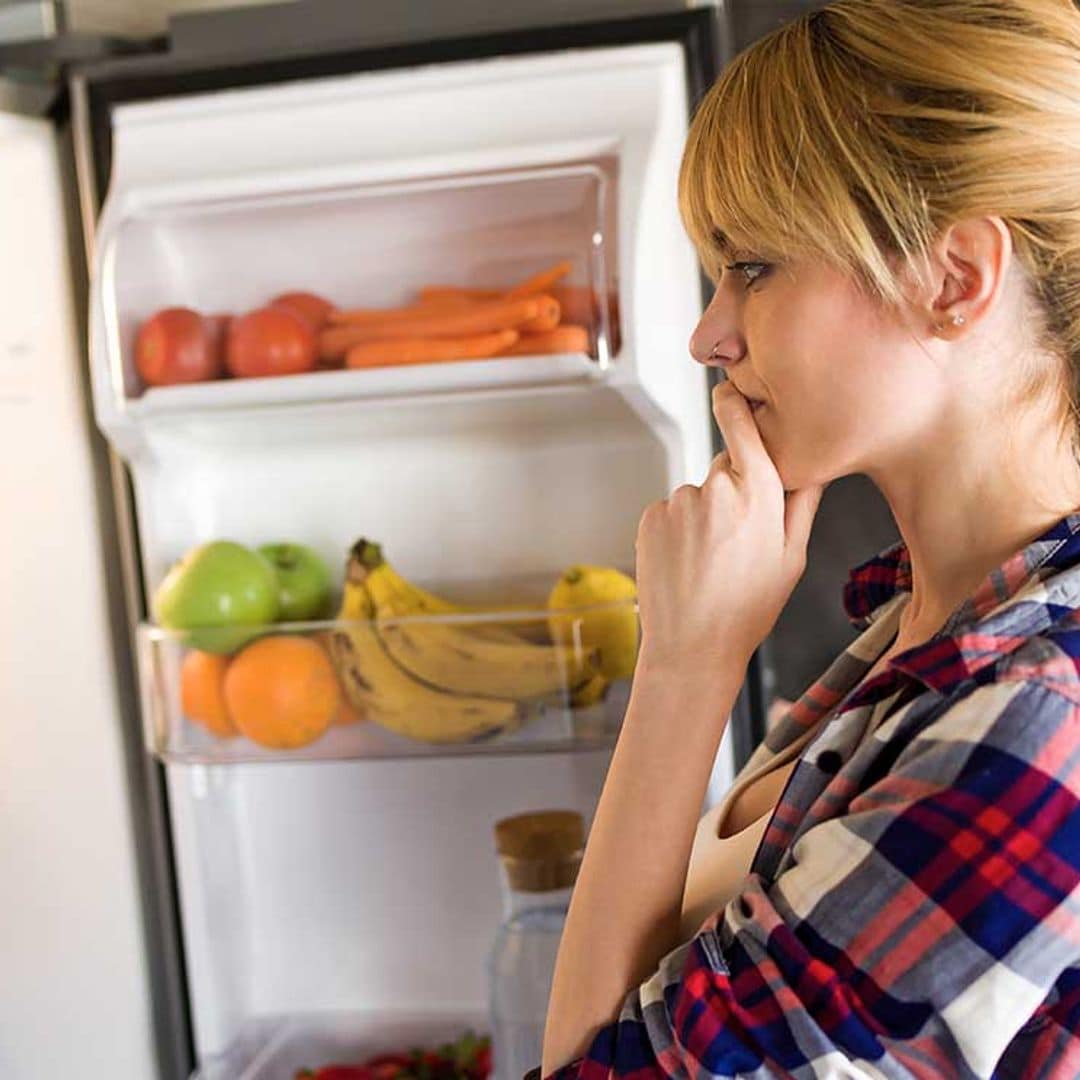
pixel 202 692
pixel 282 692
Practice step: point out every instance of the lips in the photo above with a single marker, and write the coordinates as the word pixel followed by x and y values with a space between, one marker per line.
pixel 754 403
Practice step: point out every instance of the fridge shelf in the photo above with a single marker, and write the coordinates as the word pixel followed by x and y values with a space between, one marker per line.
pixel 376 384
pixel 279 1048
pixel 470 682
pixel 328 289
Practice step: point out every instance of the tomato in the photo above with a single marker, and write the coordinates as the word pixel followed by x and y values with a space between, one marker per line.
pixel 307 305
pixel 219 329
pixel 176 345
pixel 270 341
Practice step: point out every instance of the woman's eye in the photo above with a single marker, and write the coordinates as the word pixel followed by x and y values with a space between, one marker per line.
pixel 751 271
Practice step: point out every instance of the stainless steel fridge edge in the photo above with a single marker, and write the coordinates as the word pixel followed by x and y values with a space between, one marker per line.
pixel 146 783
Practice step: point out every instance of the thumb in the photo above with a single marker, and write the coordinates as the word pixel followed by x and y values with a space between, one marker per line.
pixel 800 509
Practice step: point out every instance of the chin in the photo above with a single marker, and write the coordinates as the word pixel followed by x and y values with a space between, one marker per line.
pixel 795 478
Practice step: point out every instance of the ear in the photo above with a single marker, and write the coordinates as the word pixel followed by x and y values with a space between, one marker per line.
pixel 969 264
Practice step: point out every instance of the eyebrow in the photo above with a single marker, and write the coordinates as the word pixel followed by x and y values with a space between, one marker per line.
pixel 726 248
pixel 721 240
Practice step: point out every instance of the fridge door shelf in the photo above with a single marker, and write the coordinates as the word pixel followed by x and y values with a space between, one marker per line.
pixel 372 246
pixel 375 385
pixel 413 685
pixel 279 1048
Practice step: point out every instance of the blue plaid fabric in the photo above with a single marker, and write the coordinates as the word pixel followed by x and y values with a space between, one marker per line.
pixel 914 907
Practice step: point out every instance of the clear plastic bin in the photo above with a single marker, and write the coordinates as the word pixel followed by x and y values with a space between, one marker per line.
pixel 367 246
pixel 414 685
pixel 278 1048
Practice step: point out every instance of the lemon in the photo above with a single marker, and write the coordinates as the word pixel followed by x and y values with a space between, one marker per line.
pixel 614 631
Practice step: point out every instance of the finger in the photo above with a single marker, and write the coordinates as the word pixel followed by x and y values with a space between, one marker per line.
pixel 800 509
pixel 741 436
pixel 720 464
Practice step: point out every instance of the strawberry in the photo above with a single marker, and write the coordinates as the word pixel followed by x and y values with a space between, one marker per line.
pixel 481 1067
pixel 336 1072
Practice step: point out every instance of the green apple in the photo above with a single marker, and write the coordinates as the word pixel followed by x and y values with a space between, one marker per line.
pixel 303 581
pixel 214 590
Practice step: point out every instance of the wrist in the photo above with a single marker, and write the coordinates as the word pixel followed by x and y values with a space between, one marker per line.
pixel 687 681
pixel 691 669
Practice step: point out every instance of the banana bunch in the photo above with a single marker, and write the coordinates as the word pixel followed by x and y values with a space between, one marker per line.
pixel 441 681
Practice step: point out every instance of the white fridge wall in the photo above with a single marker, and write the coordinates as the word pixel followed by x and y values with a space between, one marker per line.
pixel 455 492
pixel 373 884
pixel 74 994
pixel 348 886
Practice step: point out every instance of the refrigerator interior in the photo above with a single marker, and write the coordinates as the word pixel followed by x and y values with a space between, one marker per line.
pixel 368 886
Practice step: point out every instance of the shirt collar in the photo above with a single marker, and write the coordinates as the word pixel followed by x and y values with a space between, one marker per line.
pixel 1027 594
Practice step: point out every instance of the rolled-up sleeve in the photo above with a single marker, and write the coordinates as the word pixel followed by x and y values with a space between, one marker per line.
pixel 918 933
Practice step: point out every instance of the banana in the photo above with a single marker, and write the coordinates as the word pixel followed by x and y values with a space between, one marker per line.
pixel 591 693
pixel 418 600
pixel 374 682
pixel 452 658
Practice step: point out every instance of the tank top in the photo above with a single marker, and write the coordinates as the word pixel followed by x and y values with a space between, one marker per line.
pixel 719 864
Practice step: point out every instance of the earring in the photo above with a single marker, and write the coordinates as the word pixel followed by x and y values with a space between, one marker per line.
pixel 956 320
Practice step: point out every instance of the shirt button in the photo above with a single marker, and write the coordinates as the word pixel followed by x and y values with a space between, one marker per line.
pixel 829 762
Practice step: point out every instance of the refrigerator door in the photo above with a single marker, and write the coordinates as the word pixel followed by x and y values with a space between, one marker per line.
pixel 370 887
pixel 74 997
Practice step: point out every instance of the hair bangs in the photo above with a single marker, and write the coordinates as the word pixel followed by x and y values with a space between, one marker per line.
pixel 738 189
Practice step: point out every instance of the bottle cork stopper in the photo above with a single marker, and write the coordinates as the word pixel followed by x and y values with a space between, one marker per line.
pixel 541 850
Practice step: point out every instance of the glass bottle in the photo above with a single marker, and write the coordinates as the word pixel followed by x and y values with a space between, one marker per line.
pixel 539 855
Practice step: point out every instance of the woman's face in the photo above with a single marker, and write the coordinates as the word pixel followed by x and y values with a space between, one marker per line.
pixel 845 386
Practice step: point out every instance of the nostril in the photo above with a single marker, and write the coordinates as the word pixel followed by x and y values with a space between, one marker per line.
pixel 699 349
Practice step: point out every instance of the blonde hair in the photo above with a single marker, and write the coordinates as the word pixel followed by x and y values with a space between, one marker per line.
pixel 856 133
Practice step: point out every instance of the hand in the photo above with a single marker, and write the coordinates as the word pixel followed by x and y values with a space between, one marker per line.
pixel 717 563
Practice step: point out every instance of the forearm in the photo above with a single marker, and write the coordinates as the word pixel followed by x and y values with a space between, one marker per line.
pixel 625 911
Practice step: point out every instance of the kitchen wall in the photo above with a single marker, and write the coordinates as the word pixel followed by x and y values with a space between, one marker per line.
pixel 754 18
pixel 137 18
pixel 142 17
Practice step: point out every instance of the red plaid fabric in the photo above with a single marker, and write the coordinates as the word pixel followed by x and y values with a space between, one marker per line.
pixel 913 909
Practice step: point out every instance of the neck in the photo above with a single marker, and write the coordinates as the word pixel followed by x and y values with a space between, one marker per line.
pixel 969 499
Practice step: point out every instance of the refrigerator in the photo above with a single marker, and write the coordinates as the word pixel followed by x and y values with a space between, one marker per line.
pixel 264 909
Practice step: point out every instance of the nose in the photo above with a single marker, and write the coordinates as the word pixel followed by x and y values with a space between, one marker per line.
pixel 716 338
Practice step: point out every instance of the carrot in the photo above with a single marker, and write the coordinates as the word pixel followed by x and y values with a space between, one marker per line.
pixel 541 282
pixel 459 292
pixel 563 339
pixel 548 319
pixel 366 316
pixel 467 322
pixel 579 303
pixel 429 350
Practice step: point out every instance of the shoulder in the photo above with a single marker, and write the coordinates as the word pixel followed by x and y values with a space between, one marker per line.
pixel 1050 659
pixel 1021 726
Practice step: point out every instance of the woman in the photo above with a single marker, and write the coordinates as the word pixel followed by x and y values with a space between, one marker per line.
pixel 888 195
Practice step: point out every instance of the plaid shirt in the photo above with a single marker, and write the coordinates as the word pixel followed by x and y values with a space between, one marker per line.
pixel 913 910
